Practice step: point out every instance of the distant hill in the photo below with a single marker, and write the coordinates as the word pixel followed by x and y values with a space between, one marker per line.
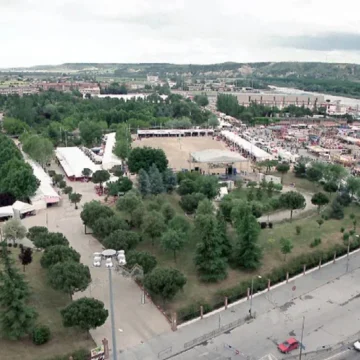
pixel 300 70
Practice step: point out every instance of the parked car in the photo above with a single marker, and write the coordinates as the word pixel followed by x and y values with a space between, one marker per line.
pixel 288 345
pixel 357 345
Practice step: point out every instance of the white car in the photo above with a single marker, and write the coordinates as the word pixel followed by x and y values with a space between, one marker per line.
pixel 357 345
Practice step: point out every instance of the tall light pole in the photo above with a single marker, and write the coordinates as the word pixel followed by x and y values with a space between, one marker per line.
pixel 252 292
pixel 109 256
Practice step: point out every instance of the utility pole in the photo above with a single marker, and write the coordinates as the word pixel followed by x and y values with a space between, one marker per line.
pixel 302 336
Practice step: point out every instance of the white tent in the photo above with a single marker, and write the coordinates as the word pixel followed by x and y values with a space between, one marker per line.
pixel 6 211
pixel 22 208
pixel 216 156
pixel 255 151
pixel 109 159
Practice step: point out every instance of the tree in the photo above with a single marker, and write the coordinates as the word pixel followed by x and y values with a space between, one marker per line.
pixel 62 184
pixel 153 225
pixel 259 194
pixel 143 258
pixel 292 200
pixel 145 157
pixel 57 178
pixel 14 126
pixel 75 198
pixel 187 186
pixel 69 277
pixel 86 172
pixel 330 187
pixel 44 240
pixel 168 212
pixel 169 180
pixel 90 132
pixel 210 263
pixel 100 176
pixel 223 236
pixel 319 199
pixel 68 190
pixel 335 173
pixel 300 169
pixel 173 240
pixel 14 230
pixel 38 148
pixel 180 223
pixel 353 185
pixel 270 188
pixel 282 168
pixel 247 252
pixel 320 222
pixel 58 253
pixel 207 185
pixel 190 202
pixel 336 210
pixel 156 180
pixel 121 240
pixel 35 231
pixel 129 203
pixel 205 207
pixel 103 227
pixel 165 282
pixel 25 257
pixel 85 313
pixel 286 246
pixel 93 211
pixel 144 183
pixel 17 178
pixel 201 100
pixel 314 174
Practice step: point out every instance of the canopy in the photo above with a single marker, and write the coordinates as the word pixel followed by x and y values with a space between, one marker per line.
pixel 109 159
pixel 6 211
pixel 22 207
pixel 255 151
pixel 216 156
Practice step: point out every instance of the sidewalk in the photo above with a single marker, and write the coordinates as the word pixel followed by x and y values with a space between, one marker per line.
pixel 281 296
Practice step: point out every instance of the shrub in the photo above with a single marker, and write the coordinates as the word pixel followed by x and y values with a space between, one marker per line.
pixel 41 335
pixel 346 237
pixel 192 311
pixel 263 225
pixel 315 242
pixel 342 229
pixel 298 229
pixel 270 225
pixel 15 245
pixel 9 244
pixel 352 232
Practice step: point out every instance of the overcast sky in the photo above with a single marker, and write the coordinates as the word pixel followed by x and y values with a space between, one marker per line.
pixel 38 32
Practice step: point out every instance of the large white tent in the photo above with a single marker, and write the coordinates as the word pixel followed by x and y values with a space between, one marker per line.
pixel 109 159
pixel 74 161
pixel 6 211
pixel 252 149
pixel 45 194
pixel 216 156
pixel 22 208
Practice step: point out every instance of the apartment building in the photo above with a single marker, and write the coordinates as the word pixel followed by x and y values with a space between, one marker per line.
pixel 18 90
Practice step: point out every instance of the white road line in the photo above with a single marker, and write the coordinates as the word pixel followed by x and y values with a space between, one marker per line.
pixel 337 355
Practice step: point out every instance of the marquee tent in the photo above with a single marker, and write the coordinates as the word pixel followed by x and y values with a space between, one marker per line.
pixel 22 208
pixel 109 159
pixel 216 156
pixel 6 211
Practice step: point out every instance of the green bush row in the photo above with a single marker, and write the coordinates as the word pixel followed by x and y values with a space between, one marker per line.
pixel 277 275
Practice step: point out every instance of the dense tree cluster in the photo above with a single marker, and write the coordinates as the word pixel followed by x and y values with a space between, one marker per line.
pixel 16 176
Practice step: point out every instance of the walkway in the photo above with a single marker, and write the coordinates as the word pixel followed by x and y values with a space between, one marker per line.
pixel 135 322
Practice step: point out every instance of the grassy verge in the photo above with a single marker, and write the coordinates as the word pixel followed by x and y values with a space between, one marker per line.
pixel 48 304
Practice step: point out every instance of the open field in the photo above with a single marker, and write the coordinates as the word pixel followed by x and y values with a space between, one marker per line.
pixel 48 304
pixel 178 150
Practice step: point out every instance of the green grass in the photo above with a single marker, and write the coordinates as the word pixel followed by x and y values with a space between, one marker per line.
pixel 48 304
pixel 269 239
pixel 300 183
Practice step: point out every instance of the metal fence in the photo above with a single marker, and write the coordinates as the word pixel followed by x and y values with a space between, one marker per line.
pixel 214 333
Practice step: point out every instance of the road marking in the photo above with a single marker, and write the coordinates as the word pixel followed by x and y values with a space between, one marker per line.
pixel 337 355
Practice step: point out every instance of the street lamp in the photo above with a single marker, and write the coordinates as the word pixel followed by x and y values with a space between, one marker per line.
pixel 109 255
pixel 252 292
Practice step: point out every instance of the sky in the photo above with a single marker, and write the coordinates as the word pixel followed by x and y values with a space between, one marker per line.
pixel 39 32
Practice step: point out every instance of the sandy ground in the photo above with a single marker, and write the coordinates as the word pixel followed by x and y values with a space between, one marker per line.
pixel 178 150
pixel 135 322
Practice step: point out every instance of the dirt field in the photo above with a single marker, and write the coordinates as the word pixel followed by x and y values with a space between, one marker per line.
pixel 178 150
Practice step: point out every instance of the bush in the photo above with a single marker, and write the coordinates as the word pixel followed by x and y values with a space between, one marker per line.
pixel 9 244
pixel 15 245
pixel 342 229
pixel 337 211
pixel 192 311
pixel 270 225
pixel 315 242
pixel 263 225
pixel 41 335
pixel 298 229
pixel 346 237
pixel 344 199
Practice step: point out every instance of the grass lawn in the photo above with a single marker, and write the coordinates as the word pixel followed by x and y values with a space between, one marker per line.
pixel 48 304
pixel 196 291
pixel 300 183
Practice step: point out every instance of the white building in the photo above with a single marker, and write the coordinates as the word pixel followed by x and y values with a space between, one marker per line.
pixel 152 78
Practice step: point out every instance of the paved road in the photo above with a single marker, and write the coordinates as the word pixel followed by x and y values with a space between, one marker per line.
pixel 135 323
pixel 329 299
